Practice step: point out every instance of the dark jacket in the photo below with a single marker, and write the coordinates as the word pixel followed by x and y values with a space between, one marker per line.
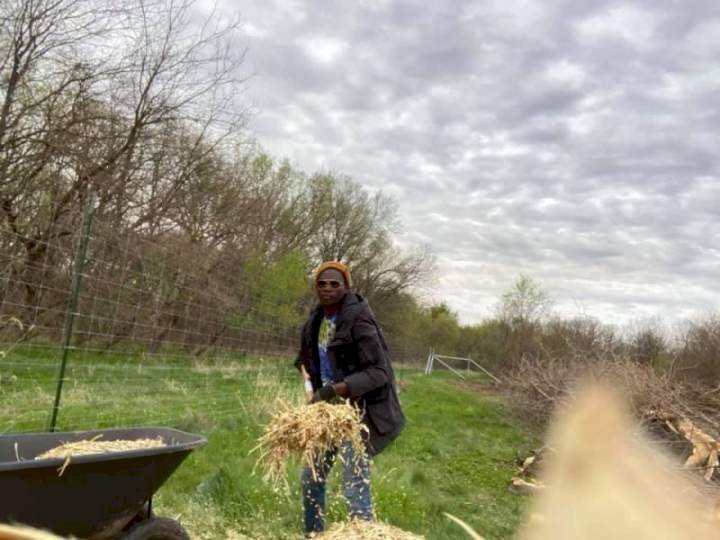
pixel 359 356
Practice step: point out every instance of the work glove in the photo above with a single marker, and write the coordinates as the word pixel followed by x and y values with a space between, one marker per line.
pixel 326 393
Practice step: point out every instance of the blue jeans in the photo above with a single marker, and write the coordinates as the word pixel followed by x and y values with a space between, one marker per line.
pixel 356 485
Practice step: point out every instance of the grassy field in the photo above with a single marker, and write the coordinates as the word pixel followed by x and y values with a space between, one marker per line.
pixel 456 455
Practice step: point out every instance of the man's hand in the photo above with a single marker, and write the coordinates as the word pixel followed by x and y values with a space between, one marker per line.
pixel 307 383
pixel 326 393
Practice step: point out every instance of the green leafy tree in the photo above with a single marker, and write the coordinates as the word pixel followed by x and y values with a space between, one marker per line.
pixel 277 293
pixel 439 328
pixel 483 342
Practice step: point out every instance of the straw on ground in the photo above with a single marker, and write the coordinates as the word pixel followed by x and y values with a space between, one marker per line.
pixel 366 530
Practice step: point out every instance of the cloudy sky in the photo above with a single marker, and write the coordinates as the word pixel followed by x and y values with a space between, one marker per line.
pixel 574 141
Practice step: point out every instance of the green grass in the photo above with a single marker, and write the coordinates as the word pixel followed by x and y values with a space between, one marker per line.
pixel 456 454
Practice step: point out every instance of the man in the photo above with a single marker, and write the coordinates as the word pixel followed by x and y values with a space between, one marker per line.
pixel 343 354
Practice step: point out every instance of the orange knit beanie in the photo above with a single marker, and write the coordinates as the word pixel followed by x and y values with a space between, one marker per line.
pixel 335 265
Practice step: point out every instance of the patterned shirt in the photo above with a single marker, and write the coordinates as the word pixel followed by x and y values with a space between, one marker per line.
pixel 325 335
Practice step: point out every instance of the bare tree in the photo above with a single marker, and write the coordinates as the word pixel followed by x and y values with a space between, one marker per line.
pixel 93 99
pixel 521 310
pixel 525 303
pixel 42 82
pixel 351 218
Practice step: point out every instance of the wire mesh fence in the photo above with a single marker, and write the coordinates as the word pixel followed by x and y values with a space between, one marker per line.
pixel 135 293
pixel 160 329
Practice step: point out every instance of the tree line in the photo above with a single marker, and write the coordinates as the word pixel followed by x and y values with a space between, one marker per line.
pixel 200 239
pixel 196 229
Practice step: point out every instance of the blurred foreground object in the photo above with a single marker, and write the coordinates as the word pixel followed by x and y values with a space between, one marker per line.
pixel 8 532
pixel 606 481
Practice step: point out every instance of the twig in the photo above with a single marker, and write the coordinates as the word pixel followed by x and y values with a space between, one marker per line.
pixel 465 526
pixel 536 387
pixel 61 470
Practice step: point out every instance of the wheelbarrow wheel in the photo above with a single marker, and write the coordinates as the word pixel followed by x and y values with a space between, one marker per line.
pixel 157 528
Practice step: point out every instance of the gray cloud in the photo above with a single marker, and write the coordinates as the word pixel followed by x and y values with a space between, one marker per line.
pixel 571 140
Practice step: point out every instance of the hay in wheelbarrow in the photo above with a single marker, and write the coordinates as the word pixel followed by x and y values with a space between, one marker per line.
pixel 95 446
pixel 307 432
pixel 366 530
pixel 72 449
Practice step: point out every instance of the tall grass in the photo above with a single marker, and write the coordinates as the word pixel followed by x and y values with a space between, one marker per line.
pixel 456 455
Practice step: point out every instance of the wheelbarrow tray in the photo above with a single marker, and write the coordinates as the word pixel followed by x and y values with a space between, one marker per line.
pixel 97 494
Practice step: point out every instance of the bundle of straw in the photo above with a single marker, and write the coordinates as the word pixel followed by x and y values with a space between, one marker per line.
pixel 94 446
pixel 366 530
pixel 307 432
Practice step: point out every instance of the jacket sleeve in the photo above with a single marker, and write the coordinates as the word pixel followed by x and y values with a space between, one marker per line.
pixel 372 370
pixel 304 346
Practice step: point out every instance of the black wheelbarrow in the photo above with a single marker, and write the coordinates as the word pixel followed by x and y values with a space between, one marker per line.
pixel 98 496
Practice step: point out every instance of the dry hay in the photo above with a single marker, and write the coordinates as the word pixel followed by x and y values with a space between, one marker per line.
pixel 94 446
pixel 307 432
pixel 366 530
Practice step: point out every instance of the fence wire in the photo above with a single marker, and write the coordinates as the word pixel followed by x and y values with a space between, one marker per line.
pixel 151 307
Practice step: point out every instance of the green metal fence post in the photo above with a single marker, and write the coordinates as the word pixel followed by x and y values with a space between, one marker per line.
pixel 72 305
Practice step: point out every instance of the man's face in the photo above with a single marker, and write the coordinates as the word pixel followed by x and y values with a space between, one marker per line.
pixel 330 287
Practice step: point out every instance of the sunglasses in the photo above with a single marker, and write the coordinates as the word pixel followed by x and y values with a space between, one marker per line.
pixel 322 283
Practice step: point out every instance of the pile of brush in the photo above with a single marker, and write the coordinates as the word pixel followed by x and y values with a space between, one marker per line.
pixel 307 432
